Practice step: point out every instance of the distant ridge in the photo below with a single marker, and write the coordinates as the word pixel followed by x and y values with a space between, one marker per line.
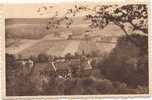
pixel 33 20
pixel 26 21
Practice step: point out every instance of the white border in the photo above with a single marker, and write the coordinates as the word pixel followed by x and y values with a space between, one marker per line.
pixel 2 49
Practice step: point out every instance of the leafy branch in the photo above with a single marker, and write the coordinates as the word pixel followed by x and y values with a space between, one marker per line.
pixel 134 14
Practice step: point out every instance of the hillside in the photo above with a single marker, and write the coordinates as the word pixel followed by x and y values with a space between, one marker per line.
pixel 30 37
pixel 36 28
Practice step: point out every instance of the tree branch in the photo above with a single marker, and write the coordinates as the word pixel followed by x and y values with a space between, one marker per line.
pixel 138 28
pixel 126 33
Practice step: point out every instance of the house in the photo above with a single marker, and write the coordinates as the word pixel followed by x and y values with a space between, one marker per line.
pixel 80 68
pixel 62 68
pixel 44 68
pixel 72 68
pixel 86 67
pixel 25 62
pixel 26 65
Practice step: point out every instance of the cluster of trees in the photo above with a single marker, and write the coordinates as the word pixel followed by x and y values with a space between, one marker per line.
pixel 43 57
pixel 127 63
pixel 15 80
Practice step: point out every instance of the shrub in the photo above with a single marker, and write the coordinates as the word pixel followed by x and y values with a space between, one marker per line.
pixel 10 59
pixel 89 86
pixel 43 57
pixel 34 58
pixel 68 56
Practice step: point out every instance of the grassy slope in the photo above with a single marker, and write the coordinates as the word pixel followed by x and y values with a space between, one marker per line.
pixel 46 46
pixel 36 29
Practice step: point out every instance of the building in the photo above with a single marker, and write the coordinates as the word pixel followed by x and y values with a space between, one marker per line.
pixel 25 66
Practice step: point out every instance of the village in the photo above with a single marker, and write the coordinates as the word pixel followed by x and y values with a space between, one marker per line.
pixel 67 67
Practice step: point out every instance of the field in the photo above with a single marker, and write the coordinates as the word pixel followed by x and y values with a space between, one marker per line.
pixel 36 28
pixel 48 46
pixel 30 37
pixel 58 47
pixel 18 45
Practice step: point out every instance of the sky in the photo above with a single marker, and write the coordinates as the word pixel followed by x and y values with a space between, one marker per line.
pixel 31 10
pixel 28 8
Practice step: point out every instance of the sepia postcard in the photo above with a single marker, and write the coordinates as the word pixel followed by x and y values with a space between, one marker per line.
pixel 75 50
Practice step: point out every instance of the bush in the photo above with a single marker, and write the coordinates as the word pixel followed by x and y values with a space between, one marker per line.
pixel 10 59
pixel 33 58
pixel 43 57
pixel 85 86
pixel 68 56
pixel 77 55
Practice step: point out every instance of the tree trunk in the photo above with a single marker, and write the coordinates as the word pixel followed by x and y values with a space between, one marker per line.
pixel 126 33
